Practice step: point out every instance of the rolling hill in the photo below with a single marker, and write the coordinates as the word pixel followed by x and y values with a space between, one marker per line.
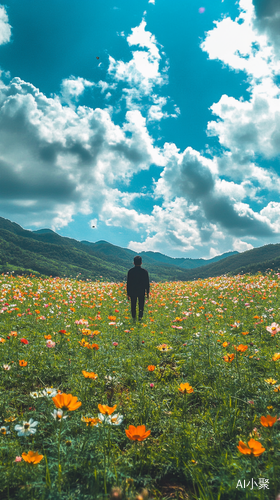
pixel 47 253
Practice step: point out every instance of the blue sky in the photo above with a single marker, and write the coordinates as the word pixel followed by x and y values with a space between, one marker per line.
pixel 156 121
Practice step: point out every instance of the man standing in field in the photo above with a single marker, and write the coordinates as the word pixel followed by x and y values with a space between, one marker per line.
pixel 137 284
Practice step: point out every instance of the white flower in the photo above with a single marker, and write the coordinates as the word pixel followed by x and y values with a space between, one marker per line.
pixel 36 395
pixel 4 430
pixel 49 392
pixel 6 367
pixel 111 419
pixel 26 428
pixel 58 414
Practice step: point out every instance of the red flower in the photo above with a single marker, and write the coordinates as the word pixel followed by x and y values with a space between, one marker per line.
pixel 24 341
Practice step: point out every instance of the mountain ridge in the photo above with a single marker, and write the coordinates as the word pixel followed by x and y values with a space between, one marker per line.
pixel 46 252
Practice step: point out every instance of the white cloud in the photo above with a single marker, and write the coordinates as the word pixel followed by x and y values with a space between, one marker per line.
pixel 241 246
pixel 66 160
pixel 5 28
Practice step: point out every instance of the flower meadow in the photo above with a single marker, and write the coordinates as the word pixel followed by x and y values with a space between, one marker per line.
pixel 185 404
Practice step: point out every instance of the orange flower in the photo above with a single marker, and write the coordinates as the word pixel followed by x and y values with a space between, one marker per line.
pixel 106 410
pixel 66 402
pixel 228 358
pixel 2 340
pixel 254 448
pixel 276 356
pixel 186 388
pixel 89 374
pixel 268 421
pixel 22 362
pixel 95 332
pixel 13 334
pixel 86 331
pixel 93 346
pixel 225 344
pixel 112 318
pixel 151 368
pixel 244 333
pixel 137 433
pixel 241 348
pixel 48 337
pixel 32 457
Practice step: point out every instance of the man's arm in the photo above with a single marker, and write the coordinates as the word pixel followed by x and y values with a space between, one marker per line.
pixel 148 285
pixel 128 286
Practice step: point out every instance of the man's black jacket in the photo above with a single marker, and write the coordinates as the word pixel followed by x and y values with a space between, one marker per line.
pixel 137 282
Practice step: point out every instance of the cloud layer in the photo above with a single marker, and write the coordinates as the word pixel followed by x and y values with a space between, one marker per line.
pixel 59 158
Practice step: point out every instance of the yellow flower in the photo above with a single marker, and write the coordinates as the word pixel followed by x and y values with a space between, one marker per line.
pixel 91 421
pixel 164 347
pixel 186 388
pixel 276 356
pixel 270 381
pixel 32 457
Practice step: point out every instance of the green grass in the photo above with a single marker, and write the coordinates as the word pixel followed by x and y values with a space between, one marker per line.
pixel 191 451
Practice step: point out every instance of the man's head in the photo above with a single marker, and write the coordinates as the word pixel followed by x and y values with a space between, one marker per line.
pixel 137 260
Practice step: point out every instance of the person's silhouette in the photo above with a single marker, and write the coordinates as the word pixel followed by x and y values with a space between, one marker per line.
pixel 137 284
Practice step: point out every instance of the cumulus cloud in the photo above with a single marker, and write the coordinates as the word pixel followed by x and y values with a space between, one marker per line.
pixel 267 20
pixel 5 28
pixel 143 75
pixel 66 160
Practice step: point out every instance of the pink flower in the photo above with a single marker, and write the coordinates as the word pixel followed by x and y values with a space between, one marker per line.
pixel 152 385
pixel 24 341
pixel 127 331
pixel 251 402
pixel 273 328
pixel 115 343
pixel 50 343
pixel 18 459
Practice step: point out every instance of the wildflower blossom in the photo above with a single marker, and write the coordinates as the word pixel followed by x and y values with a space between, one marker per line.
pixel 276 356
pixel 228 358
pixel 24 341
pixel 18 459
pixel 50 392
pixel 6 367
pixel 164 347
pixel 36 394
pixel 32 457
pixel 89 374
pixel 186 388
pixel 106 410
pixel 111 419
pixel 93 422
pixel 270 381
pixel 254 448
pixel 151 368
pixel 268 421
pixel 26 428
pixel 4 430
pixel 58 414
pixel 50 343
pixel 273 328
pixel 138 433
pixel 22 362
pixel 66 402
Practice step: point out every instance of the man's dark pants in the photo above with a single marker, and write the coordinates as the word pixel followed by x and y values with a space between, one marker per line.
pixel 141 301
